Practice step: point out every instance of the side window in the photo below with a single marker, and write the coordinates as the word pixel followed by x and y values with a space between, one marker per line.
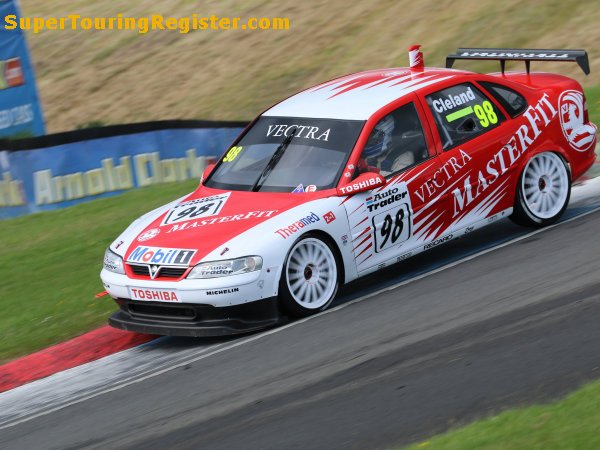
pixel 461 113
pixel 396 143
pixel 513 102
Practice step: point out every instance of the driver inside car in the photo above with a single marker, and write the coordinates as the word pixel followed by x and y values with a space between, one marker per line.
pixel 383 153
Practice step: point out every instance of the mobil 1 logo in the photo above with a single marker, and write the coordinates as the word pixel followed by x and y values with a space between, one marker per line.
pixel 196 209
pixel 390 212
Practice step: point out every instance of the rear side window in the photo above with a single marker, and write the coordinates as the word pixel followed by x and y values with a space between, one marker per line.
pixel 513 102
pixel 461 113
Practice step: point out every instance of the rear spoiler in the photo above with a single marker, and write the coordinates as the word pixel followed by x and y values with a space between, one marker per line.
pixel 515 54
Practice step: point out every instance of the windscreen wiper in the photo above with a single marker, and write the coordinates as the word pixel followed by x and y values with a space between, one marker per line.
pixel 273 161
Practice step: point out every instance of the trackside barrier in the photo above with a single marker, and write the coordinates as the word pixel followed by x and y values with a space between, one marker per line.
pixel 61 170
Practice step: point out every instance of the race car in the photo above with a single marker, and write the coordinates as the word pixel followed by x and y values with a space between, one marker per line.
pixel 348 177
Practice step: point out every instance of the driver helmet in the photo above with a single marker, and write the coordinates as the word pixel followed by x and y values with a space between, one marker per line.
pixel 380 138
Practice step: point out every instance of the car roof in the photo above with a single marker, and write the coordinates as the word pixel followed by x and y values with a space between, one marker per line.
pixel 358 96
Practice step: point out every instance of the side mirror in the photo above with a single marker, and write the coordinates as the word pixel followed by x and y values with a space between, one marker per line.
pixel 364 182
pixel 207 172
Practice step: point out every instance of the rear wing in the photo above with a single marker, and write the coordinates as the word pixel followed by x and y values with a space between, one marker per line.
pixel 527 55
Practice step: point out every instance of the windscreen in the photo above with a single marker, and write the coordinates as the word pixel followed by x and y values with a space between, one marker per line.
pixel 278 154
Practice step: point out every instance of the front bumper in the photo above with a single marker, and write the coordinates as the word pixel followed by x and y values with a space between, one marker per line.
pixel 181 319
pixel 221 292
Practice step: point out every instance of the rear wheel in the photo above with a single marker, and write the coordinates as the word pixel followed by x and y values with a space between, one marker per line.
pixel 543 191
pixel 310 277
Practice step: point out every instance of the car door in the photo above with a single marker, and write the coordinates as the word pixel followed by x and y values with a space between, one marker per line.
pixel 387 223
pixel 471 130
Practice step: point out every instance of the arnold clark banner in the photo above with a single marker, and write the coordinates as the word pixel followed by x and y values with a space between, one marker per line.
pixel 63 175
pixel 20 110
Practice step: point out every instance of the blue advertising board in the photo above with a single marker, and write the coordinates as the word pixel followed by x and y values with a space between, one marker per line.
pixel 62 175
pixel 20 110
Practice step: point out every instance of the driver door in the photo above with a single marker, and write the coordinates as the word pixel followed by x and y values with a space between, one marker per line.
pixel 388 222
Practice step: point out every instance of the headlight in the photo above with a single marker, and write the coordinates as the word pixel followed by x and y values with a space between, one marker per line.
pixel 227 267
pixel 113 262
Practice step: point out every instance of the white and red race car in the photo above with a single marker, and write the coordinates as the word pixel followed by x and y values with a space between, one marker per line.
pixel 345 178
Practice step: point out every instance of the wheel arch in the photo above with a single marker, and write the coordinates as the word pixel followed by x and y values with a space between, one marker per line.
pixel 521 214
pixel 557 149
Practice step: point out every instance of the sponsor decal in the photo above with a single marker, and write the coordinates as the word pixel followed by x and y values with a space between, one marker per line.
pixel 161 256
pixel 437 242
pixel 153 295
pixel 571 108
pixel 299 189
pixel 517 55
pixel 223 291
pixel 442 176
pixel 356 186
pixel 299 131
pixel 148 234
pixel 297 226
pixel 404 256
pixel 118 244
pixel 382 199
pixel 201 223
pixel 311 188
pixel 391 227
pixel 350 166
pixel 450 102
pixel 345 239
pixel 196 209
pixel 537 118
pixel 329 217
pixel 469 230
pixel 12 73
pixel 492 218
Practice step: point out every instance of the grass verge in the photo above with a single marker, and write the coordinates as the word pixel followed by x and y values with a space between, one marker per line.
pixel 50 264
pixel 571 423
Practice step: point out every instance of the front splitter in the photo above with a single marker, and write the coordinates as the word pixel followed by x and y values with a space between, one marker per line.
pixel 183 319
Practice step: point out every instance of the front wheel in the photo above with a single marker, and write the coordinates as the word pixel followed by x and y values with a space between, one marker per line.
pixel 310 277
pixel 543 191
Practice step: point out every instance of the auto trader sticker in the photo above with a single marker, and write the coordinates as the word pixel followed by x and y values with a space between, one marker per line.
pixel 196 209
pixel 161 256
pixel 391 222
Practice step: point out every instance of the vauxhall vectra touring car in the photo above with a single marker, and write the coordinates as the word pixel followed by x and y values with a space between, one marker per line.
pixel 345 178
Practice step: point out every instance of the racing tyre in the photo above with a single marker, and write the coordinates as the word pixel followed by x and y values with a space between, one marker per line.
pixel 310 277
pixel 543 191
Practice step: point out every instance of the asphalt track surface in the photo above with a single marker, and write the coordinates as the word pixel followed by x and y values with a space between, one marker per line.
pixel 501 318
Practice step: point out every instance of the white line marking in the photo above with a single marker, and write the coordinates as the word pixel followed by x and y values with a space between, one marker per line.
pixel 293 324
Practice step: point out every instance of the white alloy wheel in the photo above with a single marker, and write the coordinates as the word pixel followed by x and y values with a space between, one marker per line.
pixel 545 185
pixel 311 274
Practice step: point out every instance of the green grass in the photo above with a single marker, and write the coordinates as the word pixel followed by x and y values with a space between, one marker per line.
pixel 50 264
pixel 571 423
pixel 593 102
